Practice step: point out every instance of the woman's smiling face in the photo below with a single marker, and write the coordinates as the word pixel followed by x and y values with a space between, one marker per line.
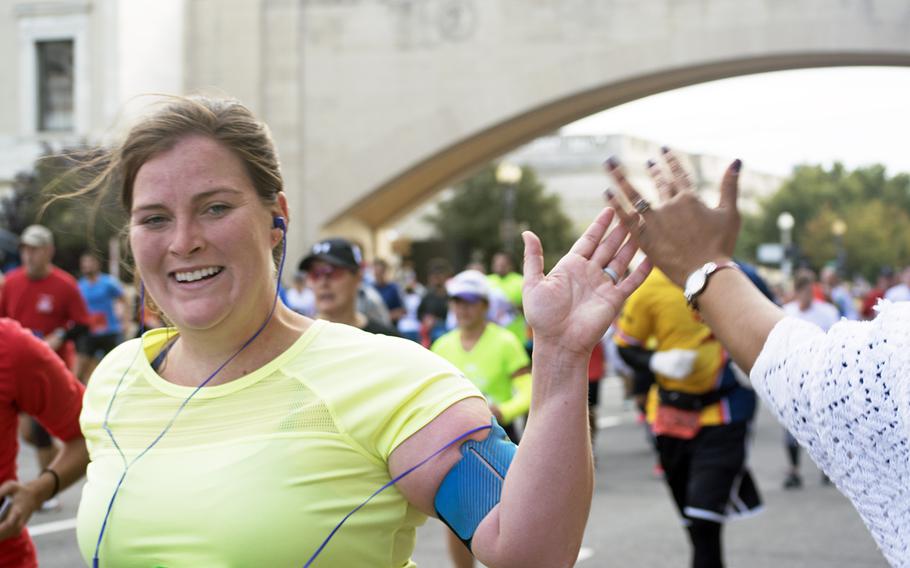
pixel 201 236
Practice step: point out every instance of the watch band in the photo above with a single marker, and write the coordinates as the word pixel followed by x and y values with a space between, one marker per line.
pixel 708 269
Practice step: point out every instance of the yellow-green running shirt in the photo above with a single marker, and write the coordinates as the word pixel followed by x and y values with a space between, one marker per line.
pixel 490 364
pixel 510 285
pixel 258 471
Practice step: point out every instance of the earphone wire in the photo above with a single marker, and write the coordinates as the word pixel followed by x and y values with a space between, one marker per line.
pixel 388 484
pixel 106 426
pixel 127 464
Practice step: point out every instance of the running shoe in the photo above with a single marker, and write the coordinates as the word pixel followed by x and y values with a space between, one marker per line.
pixel 52 505
pixel 793 481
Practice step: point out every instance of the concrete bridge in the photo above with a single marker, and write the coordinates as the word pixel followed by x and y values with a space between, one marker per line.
pixel 377 104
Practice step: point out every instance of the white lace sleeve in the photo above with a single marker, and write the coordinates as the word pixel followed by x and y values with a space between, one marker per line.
pixel 845 396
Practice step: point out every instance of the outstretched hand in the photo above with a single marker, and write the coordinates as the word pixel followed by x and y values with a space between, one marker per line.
pixel 571 307
pixel 682 233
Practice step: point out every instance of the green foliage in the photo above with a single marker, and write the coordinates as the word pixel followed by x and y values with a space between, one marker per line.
pixel 875 208
pixel 79 223
pixel 472 219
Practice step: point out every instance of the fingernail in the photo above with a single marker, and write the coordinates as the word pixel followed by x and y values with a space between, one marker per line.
pixel 737 165
pixel 651 163
pixel 608 194
pixel 612 162
pixel 664 149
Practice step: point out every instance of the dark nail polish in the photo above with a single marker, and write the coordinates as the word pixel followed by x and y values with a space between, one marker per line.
pixel 664 149
pixel 737 165
pixel 612 162
pixel 608 193
pixel 651 163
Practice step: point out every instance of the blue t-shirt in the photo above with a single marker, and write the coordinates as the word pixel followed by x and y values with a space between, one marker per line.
pixel 390 295
pixel 99 296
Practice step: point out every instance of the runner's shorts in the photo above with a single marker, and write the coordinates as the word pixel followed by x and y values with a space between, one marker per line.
pixel 707 474
pixel 98 345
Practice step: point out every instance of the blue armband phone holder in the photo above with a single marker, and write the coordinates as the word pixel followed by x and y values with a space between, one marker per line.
pixel 474 484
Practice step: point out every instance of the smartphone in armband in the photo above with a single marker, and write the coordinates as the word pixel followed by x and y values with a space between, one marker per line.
pixel 5 504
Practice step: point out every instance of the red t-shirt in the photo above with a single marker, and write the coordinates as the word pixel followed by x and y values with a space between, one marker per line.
pixel 35 381
pixel 44 305
pixel 870 301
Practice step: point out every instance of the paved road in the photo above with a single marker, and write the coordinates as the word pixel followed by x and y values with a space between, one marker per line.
pixel 633 523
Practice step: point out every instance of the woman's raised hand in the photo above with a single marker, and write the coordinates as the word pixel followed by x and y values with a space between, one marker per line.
pixel 682 233
pixel 571 307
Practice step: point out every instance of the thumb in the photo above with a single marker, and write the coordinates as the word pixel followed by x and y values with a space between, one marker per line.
pixel 729 186
pixel 8 487
pixel 533 262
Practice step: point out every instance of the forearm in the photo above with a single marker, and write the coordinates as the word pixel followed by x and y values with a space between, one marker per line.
pixel 551 476
pixel 739 315
pixel 638 358
pixel 69 465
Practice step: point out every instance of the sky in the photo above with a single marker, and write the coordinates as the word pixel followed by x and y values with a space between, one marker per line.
pixel 773 121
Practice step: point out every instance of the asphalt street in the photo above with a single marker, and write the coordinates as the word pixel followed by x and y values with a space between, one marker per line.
pixel 633 523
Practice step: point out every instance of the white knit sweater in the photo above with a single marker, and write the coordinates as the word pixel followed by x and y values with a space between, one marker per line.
pixel 845 396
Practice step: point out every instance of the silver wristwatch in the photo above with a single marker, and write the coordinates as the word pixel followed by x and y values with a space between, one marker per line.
pixel 698 280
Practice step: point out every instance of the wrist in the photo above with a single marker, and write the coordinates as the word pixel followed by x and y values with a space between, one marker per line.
pixel 686 267
pixel 558 376
pixel 39 489
pixel 698 280
pixel 550 355
pixel 55 477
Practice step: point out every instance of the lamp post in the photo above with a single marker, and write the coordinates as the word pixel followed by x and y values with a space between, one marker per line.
pixel 785 222
pixel 508 175
pixel 838 229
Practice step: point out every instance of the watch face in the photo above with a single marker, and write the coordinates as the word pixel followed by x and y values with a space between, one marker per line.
pixel 695 282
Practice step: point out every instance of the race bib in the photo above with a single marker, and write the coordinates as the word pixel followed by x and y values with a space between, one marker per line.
pixel 97 322
pixel 676 423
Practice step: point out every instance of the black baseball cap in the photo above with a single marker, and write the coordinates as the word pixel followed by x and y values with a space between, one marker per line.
pixel 338 252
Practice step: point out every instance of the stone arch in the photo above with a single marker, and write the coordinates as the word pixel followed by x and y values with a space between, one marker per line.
pixel 400 194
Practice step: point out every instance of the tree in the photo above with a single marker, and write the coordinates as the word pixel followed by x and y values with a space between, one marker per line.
pixel 79 223
pixel 472 219
pixel 875 208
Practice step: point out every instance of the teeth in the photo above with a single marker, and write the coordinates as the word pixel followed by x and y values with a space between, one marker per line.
pixel 196 274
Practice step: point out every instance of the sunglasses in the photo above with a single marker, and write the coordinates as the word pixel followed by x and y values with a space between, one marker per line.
pixel 467 298
pixel 329 271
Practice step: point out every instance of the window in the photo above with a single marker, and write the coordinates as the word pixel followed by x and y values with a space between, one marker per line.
pixel 56 85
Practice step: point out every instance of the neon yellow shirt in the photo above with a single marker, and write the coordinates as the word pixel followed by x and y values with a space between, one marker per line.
pixel 510 285
pixel 490 365
pixel 657 317
pixel 258 471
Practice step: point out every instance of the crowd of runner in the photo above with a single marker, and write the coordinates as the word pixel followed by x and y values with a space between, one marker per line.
pixel 63 339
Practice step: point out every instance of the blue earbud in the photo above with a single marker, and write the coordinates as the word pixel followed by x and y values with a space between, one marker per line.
pixel 278 223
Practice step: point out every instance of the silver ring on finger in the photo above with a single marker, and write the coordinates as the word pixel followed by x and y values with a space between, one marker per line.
pixel 641 205
pixel 612 275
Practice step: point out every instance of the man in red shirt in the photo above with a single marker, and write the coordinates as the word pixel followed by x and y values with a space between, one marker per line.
pixel 47 301
pixel 44 298
pixel 35 381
